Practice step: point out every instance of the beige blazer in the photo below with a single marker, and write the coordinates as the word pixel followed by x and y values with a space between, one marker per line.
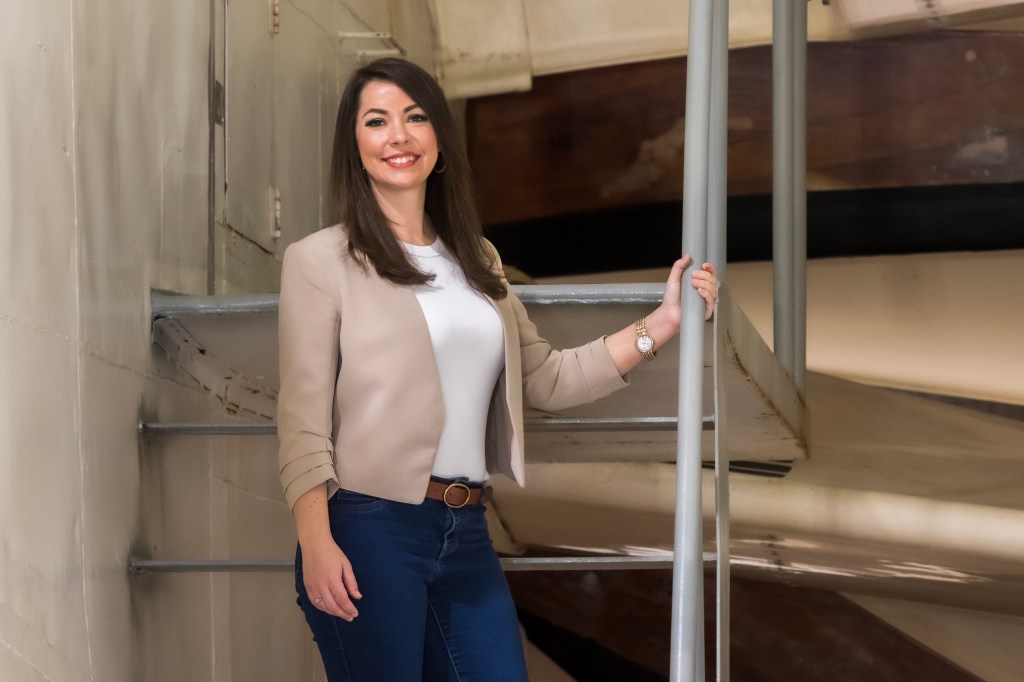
pixel 360 402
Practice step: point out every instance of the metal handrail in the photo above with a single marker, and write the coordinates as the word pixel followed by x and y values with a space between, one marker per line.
pixel 166 305
pixel 572 563
pixel 539 424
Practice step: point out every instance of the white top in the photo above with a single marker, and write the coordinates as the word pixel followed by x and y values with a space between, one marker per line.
pixel 468 343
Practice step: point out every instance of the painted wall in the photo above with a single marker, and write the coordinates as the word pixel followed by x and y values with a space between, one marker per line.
pixel 103 196
pixel 43 599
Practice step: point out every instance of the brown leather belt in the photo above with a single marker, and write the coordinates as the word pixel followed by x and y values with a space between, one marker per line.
pixel 457 495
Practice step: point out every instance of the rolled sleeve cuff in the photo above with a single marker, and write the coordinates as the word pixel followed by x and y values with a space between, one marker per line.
pixel 306 473
pixel 603 378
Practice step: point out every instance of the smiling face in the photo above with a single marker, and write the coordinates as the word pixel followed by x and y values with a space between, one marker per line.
pixel 396 141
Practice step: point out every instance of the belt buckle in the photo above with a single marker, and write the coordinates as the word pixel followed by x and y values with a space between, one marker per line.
pixel 457 485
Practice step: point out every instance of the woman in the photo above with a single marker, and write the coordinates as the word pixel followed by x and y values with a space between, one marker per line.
pixel 405 362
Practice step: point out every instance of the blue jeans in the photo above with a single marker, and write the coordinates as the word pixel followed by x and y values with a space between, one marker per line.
pixel 435 606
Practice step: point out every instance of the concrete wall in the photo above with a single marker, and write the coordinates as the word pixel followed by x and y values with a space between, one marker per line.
pixel 44 602
pixel 103 196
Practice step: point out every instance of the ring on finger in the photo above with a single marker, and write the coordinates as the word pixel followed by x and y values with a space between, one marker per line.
pixel 318 601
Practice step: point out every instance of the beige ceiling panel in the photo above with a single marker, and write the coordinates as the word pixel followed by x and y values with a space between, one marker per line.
pixel 910 15
pixel 569 35
pixel 483 47
pixel 488 48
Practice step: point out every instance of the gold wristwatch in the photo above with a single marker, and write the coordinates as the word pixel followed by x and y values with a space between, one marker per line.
pixel 644 341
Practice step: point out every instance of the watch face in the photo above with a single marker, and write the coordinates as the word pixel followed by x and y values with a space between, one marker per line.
pixel 644 344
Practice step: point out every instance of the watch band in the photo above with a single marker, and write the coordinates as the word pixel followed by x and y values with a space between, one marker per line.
pixel 644 341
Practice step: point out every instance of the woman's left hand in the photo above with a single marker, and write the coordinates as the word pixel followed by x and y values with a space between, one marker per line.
pixel 663 323
pixel 704 280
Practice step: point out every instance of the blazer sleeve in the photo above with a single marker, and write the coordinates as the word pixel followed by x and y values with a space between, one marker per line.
pixel 557 379
pixel 308 338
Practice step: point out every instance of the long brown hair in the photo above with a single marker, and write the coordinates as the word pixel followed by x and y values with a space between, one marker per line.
pixel 449 197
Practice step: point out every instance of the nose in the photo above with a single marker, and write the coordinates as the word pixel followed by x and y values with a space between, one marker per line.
pixel 398 134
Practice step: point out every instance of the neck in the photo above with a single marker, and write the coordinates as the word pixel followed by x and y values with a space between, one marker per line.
pixel 405 213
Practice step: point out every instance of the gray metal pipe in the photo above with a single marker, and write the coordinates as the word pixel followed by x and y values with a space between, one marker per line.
pixel 722 513
pixel 211 170
pixel 603 563
pixel 717 223
pixel 782 180
pixel 719 139
pixel 209 428
pixel 687 650
pixel 169 305
pixel 579 424
pixel 800 194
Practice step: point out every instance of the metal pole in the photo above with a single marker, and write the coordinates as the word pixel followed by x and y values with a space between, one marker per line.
pixel 579 563
pixel 718 151
pixel 211 181
pixel 533 424
pixel 718 175
pixel 722 528
pixel 782 180
pixel 800 193
pixel 687 651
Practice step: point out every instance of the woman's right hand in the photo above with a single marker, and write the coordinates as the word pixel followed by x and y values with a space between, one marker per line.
pixel 326 571
pixel 330 582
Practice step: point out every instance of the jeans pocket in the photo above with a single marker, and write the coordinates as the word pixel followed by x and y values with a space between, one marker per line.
pixel 349 502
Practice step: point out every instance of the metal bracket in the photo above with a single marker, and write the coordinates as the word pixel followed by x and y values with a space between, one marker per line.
pixel 392 49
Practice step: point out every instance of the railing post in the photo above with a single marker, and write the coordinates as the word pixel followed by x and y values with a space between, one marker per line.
pixel 789 187
pixel 718 151
pixel 687 646
pixel 723 532
pixel 782 180
pixel 799 193
pixel 717 197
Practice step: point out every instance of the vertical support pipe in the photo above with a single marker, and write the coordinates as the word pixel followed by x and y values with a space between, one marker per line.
pixel 718 151
pixel 687 646
pixel 211 96
pixel 722 517
pixel 799 193
pixel 717 193
pixel 782 180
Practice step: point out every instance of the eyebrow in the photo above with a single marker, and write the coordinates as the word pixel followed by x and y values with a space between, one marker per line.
pixel 384 111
